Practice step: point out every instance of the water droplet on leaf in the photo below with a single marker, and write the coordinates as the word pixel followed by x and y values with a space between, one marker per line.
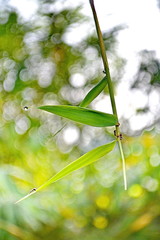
pixel 25 108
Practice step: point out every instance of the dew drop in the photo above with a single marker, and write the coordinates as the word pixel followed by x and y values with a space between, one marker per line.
pixel 25 108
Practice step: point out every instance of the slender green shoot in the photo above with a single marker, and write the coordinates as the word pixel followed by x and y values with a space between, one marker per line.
pixel 123 164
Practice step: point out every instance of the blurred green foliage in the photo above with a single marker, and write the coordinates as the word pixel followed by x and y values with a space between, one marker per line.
pixel 38 67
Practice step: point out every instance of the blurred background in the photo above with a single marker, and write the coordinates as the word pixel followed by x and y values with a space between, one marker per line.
pixel 49 54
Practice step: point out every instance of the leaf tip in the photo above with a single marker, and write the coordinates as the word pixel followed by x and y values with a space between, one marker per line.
pixel 26 196
pixel 40 107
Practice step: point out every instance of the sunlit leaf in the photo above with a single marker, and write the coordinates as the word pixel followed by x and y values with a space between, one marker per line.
pixel 82 115
pixel 81 162
pixel 94 92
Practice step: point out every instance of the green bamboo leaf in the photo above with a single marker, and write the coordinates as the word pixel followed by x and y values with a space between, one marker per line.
pixel 82 115
pixel 81 162
pixel 94 92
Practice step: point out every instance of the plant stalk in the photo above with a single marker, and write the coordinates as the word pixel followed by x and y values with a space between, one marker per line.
pixel 110 87
pixel 123 164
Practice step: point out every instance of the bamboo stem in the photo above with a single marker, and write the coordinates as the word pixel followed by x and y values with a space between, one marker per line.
pixel 110 87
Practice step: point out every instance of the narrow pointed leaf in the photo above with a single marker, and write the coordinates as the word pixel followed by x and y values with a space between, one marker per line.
pixel 94 92
pixel 82 115
pixel 81 162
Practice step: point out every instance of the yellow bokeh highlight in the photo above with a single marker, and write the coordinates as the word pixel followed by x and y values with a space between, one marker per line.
pixel 100 222
pixel 135 191
pixel 141 222
pixel 103 202
pixel 132 160
pixel 67 213
pixel 147 140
